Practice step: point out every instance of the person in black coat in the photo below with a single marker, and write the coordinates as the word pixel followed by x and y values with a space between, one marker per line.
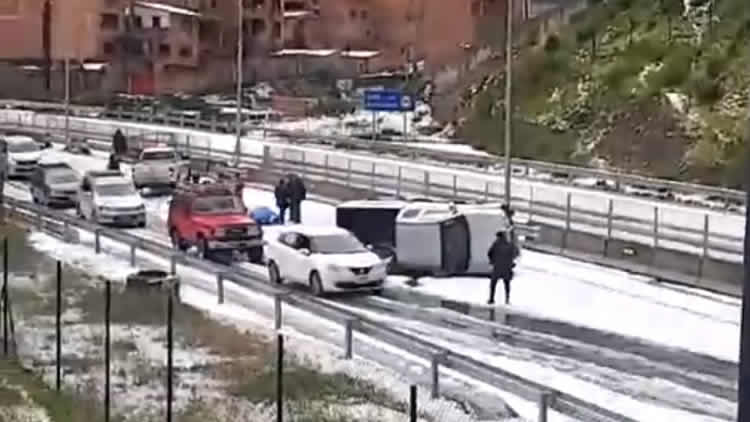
pixel 119 143
pixel 297 194
pixel 502 255
pixel 281 192
pixel 113 163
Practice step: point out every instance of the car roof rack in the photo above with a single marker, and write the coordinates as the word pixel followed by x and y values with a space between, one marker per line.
pixel 205 189
pixel 104 173
pixel 53 164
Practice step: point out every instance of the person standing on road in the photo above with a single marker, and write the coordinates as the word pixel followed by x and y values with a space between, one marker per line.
pixel 502 255
pixel 297 194
pixel 281 192
pixel 119 143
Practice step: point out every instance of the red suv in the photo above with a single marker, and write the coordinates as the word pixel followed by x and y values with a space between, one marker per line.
pixel 213 218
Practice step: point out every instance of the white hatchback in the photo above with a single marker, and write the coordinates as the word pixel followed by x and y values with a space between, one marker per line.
pixel 328 259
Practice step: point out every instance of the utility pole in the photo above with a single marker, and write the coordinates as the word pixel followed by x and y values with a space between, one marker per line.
pixel 743 388
pixel 67 102
pixel 238 123
pixel 508 95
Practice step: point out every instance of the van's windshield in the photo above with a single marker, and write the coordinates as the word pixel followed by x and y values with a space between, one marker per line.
pixel 218 205
pixel 23 146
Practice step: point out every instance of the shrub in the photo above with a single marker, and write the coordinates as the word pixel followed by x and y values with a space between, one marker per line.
pixel 621 71
pixel 552 44
pixel 705 89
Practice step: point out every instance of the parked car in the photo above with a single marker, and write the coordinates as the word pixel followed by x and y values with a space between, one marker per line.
pixel 54 184
pixel 212 218
pixel 23 155
pixel 108 197
pixel 156 168
pixel 328 259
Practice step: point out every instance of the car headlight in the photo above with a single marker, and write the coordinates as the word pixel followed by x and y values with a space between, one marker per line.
pixel 107 209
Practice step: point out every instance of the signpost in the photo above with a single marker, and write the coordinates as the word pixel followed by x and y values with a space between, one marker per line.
pixel 386 100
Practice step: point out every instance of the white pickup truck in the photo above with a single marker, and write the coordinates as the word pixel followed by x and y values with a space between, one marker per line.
pixel 156 168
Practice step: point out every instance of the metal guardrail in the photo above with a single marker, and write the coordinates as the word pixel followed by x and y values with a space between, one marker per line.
pixel 58 222
pixel 608 218
pixel 522 167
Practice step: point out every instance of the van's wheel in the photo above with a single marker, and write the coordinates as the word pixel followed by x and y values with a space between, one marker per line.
pixel 274 275
pixel 177 243
pixel 316 285
pixel 255 255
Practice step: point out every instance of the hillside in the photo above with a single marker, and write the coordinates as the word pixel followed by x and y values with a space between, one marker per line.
pixel 656 87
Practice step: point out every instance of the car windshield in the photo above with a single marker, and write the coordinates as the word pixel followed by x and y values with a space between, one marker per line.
pixel 336 243
pixel 218 205
pixel 24 146
pixel 61 176
pixel 158 155
pixel 115 189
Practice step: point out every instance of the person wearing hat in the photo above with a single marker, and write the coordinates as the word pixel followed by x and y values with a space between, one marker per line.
pixel 502 255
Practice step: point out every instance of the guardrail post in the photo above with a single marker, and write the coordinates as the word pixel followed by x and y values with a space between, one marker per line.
pixel 97 241
pixel 173 264
pixel 277 317
pixel 325 167
pixel 567 222
pixel 132 255
pixel 610 211
pixel 656 227
pixel 455 187
pixel 39 219
pixel 544 402
pixel 398 182
pixel 220 288
pixel 531 204
pixel 487 191
pixel 213 124
pixel 348 172
pixel 372 179
pixel 304 166
pixel 348 337
pixel 182 120
pixel 436 375
pixel 426 183
pixel 704 253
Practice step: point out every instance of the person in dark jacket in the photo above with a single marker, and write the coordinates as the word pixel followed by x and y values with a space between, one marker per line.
pixel 502 255
pixel 297 194
pixel 119 143
pixel 113 163
pixel 281 192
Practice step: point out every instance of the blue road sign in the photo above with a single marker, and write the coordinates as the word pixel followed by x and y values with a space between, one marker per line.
pixel 388 100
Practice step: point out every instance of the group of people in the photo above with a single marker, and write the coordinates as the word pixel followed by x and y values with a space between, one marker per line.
pixel 290 192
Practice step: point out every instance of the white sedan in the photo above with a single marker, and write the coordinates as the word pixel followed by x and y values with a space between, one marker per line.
pixel 328 259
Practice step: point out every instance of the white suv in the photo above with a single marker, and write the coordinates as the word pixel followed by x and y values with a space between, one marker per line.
pixel 23 155
pixel 329 259
pixel 108 197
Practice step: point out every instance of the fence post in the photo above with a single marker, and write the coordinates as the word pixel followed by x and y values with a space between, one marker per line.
pixel 170 351
pixel 567 222
pixel 173 264
pixel 455 187
pixel 39 218
pixel 325 167
pixel 531 204
pixel 426 183
pixel 220 287
pixel 544 399
pixel 132 255
pixel 280 378
pixel 107 314
pixel 97 241
pixel 398 182
pixel 58 328
pixel 610 211
pixel 348 172
pixel 277 316
pixel 5 296
pixel 487 191
pixel 436 375
pixel 656 227
pixel 348 337
pixel 704 253
pixel 413 403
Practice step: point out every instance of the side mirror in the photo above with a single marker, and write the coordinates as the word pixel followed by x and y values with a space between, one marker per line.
pixel 305 252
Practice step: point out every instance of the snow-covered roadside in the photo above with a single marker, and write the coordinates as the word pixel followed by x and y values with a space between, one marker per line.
pixel 314 348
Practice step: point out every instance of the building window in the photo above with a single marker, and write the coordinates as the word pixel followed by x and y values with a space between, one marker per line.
pixel 165 50
pixel 476 8
pixel 363 14
pixel 138 22
pixel 277 30
pixel 186 23
pixel 108 48
pixel 156 21
pixel 353 14
pixel 213 4
pixel 259 4
pixel 186 52
pixel 110 21
pixel 257 27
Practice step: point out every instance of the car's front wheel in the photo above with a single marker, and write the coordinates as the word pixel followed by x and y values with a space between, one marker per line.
pixel 274 275
pixel 316 284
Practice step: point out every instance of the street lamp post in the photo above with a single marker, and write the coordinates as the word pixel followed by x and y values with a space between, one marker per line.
pixel 67 101
pixel 240 45
pixel 508 95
